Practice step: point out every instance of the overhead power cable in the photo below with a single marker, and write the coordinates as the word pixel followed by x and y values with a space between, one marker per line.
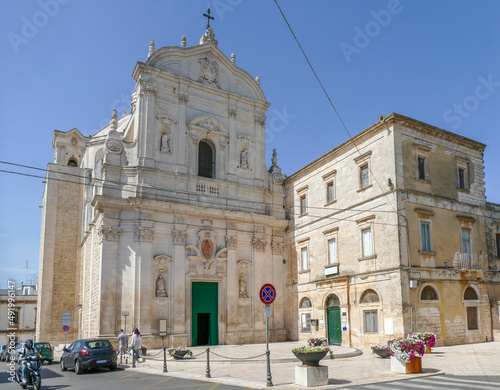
pixel 328 97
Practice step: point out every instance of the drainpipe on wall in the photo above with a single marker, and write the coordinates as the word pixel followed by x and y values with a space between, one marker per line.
pixel 349 311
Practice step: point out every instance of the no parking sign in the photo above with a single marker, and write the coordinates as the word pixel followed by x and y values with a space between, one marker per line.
pixel 267 294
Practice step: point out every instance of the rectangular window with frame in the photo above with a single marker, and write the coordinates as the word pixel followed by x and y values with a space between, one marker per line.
pixel 330 192
pixel 305 321
pixel 421 167
pixel 466 244
pixel 303 205
pixel 370 321
pixel 304 259
pixel 425 236
pixel 332 251
pixel 366 242
pixel 461 178
pixel 364 176
pixel 472 323
pixel 497 238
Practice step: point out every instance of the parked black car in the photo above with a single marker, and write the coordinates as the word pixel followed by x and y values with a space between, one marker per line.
pixel 90 353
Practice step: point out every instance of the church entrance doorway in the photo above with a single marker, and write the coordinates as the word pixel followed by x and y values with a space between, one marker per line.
pixel 333 318
pixel 205 316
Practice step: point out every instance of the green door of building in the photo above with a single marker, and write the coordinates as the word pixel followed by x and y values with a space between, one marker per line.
pixel 205 318
pixel 333 318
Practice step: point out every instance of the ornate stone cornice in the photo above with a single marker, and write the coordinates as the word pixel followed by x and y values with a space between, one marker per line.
pixel 183 98
pixel 231 242
pixel 143 234
pixel 109 233
pixel 278 248
pixel 260 120
pixel 232 112
pixel 146 88
pixel 180 237
pixel 258 244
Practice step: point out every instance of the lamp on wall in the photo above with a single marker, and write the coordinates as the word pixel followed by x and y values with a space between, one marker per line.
pixel 413 283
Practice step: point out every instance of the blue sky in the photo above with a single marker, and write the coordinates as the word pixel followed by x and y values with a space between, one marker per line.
pixel 68 63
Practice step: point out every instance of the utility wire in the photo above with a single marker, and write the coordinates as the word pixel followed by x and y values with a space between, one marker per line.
pixel 328 97
pixel 175 199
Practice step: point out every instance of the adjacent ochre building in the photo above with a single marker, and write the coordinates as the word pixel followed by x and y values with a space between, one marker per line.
pixel 169 220
pixel 391 233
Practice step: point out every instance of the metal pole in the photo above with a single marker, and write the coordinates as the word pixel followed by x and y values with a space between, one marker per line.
pixel 269 378
pixel 125 324
pixel 164 359
pixel 207 375
pixel 65 333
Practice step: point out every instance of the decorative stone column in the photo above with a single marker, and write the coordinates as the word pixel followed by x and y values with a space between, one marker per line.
pixel 143 236
pixel 109 237
pixel 179 319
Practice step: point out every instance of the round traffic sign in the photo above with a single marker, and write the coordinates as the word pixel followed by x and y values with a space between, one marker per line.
pixel 65 328
pixel 267 294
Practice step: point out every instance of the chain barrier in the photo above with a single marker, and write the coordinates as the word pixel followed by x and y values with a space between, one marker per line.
pixel 238 358
pixel 201 353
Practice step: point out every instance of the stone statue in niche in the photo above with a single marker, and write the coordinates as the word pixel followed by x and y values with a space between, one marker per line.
pixel 161 291
pixel 244 159
pixel 243 288
pixel 165 143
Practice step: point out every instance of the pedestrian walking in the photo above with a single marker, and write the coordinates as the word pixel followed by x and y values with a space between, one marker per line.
pixel 136 345
pixel 122 346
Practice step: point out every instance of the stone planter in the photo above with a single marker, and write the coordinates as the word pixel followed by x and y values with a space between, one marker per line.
pixel 383 353
pixel 427 349
pixel 179 354
pixel 310 359
pixel 414 366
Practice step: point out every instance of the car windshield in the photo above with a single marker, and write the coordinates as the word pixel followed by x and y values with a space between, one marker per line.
pixel 98 344
pixel 42 345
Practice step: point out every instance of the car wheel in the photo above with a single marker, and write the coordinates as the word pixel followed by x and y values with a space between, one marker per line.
pixel 49 362
pixel 63 367
pixel 112 368
pixel 78 368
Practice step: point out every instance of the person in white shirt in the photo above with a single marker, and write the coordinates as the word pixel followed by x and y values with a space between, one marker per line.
pixel 136 345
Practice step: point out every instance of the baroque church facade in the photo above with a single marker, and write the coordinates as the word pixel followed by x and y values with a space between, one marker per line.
pixel 169 220
pixel 169 212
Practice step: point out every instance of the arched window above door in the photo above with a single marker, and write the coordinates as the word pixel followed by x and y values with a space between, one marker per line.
pixel 332 301
pixel 305 303
pixel 369 296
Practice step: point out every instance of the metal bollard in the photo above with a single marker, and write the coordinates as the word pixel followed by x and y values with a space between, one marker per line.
pixel 207 375
pixel 269 378
pixel 164 359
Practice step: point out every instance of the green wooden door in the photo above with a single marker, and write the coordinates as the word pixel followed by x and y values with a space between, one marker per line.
pixel 334 326
pixel 204 316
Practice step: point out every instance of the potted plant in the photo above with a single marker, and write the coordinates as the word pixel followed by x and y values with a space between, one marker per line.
pixel 406 355
pixel 381 350
pixel 144 349
pixel 179 352
pixel 428 338
pixel 313 352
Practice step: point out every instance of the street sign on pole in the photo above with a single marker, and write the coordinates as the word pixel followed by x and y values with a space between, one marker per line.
pixel 65 328
pixel 267 294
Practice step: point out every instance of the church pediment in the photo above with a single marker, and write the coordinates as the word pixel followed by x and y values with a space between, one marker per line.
pixel 205 64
